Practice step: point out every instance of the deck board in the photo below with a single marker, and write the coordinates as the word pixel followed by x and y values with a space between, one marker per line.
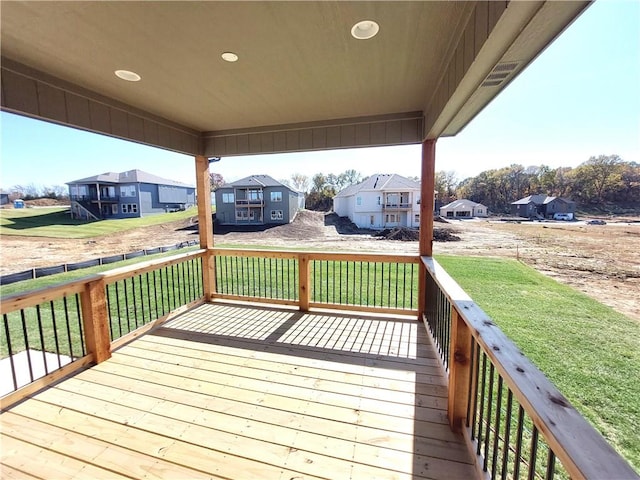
pixel 229 391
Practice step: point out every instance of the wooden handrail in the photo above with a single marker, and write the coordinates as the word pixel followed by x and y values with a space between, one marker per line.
pixel 311 255
pixel 584 453
pixel 38 296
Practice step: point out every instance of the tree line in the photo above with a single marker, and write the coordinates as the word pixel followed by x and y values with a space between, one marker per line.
pixel 597 183
pixel 33 191
pixel 600 182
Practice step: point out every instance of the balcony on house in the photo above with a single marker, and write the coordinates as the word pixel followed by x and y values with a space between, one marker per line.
pixel 397 201
pixel 264 364
pixel 249 197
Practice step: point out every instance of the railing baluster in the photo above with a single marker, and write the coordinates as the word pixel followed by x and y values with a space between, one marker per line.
pixel 43 350
pixel 533 455
pixel 26 343
pixel 80 325
pixel 507 433
pixel 10 350
pixel 551 463
pixel 482 397
pixel 55 331
pixel 518 452
pixel 487 433
pixel 496 437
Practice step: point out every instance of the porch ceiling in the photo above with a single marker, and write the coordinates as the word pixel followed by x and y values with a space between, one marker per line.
pixel 302 82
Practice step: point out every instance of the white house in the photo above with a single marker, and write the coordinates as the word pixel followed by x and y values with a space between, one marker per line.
pixel 381 201
pixel 463 209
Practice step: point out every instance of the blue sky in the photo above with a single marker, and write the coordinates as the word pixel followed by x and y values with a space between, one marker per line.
pixel 580 98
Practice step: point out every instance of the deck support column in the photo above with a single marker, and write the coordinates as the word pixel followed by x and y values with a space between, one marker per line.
pixel 427 199
pixel 95 320
pixel 205 225
pixel 303 286
pixel 459 372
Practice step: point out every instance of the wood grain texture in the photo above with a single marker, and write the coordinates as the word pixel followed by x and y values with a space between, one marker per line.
pixel 233 391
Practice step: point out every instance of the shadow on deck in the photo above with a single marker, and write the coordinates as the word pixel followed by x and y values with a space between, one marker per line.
pixel 246 392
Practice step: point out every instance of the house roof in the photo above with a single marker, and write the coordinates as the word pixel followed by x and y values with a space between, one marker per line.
pixel 130 176
pixel 302 81
pixel 255 181
pixel 539 199
pixel 462 203
pixel 383 182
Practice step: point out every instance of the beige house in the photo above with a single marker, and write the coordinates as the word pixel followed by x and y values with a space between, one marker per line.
pixel 463 209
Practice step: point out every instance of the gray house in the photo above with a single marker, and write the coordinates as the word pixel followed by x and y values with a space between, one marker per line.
pixel 542 206
pixel 257 200
pixel 127 195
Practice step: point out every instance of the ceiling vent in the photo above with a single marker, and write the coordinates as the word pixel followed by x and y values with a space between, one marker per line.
pixel 500 73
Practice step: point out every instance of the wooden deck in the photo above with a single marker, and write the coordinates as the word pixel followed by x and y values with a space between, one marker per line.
pixel 228 391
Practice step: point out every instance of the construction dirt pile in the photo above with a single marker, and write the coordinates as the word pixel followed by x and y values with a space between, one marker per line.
pixel 412 235
pixel 342 224
pixel 445 235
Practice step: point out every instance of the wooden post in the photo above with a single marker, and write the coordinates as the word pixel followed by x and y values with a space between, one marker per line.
pixel 95 320
pixel 205 225
pixel 427 191
pixel 303 287
pixel 459 372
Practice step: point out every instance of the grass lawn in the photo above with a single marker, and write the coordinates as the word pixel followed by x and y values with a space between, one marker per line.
pixel 55 222
pixel 589 351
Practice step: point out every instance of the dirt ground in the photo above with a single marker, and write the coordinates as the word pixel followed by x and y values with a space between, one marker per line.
pixel 601 260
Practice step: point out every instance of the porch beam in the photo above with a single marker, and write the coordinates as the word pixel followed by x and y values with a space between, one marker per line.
pixel 205 225
pixel 427 188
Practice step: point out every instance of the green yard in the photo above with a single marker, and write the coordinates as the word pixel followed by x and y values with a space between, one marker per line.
pixel 589 351
pixel 55 222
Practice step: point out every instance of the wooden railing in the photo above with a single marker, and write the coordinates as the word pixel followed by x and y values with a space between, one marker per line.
pixel 51 332
pixel 514 419
pixel 347 281
pixel 512 416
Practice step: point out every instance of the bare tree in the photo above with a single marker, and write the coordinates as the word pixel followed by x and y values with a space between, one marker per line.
pixel 216 181
pixel 300 182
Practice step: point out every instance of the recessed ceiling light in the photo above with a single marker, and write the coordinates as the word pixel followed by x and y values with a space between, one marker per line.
pixel 365 29
pixel 128 76
pixel 229 57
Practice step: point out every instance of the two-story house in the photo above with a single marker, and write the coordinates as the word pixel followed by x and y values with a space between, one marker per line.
pixel 129 194
pixel 257 200
pixel 541 205
pixel 381 201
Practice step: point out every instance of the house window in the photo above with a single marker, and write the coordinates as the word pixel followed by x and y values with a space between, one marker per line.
pixel 417 218
pixel 276 196
pixel 479 210
pixel 379 200
pixel 114 209
pixel 129 208
pixel 276 215
pixel 245 215
pixel 254 195
pixel 390 218
pixel 128 190
pixel 358 200
pixel 228 198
